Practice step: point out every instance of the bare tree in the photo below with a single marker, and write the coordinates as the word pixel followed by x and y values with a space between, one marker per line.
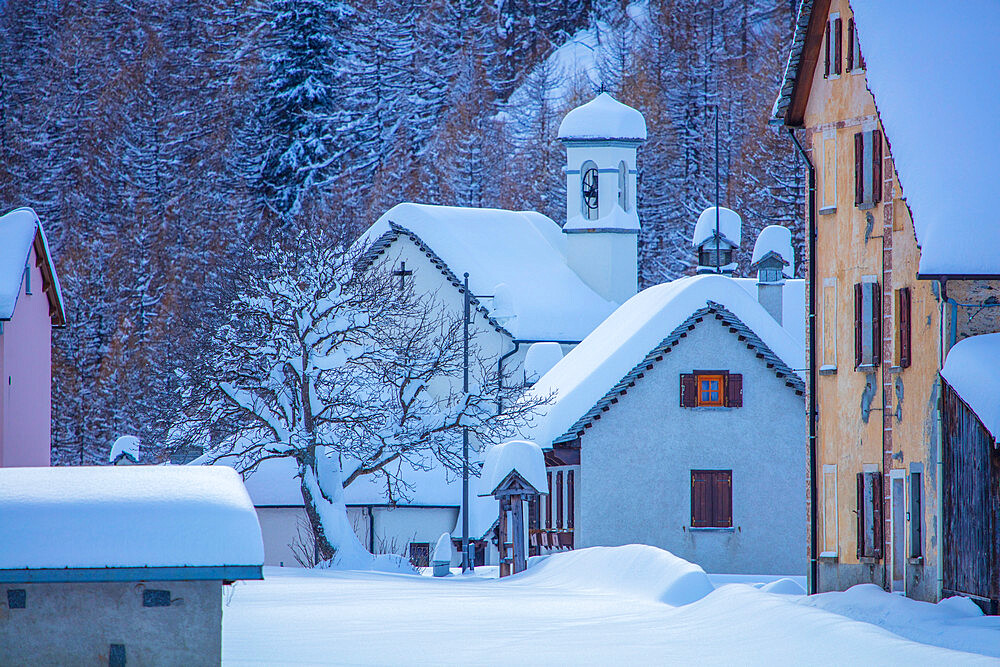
pixel 326 360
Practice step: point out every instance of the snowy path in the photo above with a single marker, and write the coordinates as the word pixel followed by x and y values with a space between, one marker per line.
pixel 299 617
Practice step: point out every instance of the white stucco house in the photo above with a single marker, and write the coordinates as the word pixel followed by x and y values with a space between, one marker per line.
pixel 538 287
pixel 680 421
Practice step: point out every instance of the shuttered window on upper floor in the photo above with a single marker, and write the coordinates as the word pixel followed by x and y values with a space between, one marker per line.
pixel 832 47
pixel 867 168
pixel 711 389
pixel 867 324
pixel 903 328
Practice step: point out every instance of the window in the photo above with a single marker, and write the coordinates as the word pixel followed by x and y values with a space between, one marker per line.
pixel 867 325
pixel 27 280
pixel 559 500
pixel 830 535
pixel 903 327
pixel 155 598
pixel 867 169
pixel 916 515
pixel 869 511
pixel 570 498
pixel 711 388
pixel 623 185
pixel 829 325
pixel 832 47
pixel 711 498
pixel 420 554
pixel 855 62
pixel 17 598
pixel 589 191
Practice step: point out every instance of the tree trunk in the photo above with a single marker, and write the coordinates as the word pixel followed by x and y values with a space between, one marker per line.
pixel 323 494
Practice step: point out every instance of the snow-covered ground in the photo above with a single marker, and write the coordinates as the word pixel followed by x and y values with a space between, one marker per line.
pixel 624 605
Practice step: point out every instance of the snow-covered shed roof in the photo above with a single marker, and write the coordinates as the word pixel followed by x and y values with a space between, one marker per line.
pixel 730 226
pixel 125 446
pixel 104 522
pixel 521 456
pixel 643 328
pixel 603 117
pixel 971 370
pixel 776 239
pixel 19 231
pixel 937 58
pixel 522 250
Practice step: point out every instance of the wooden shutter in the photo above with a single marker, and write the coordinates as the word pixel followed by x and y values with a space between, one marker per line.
pixel 916 515
pixel 734 390
pixel 689 390
pixel 838 34
pixel 903 305
pixel 548 504
pixel 858 303
pixel 701 499
pixel 876 549
pixel 722 499
pixel 876 323
pixel 859 174
pixel 559 500
pixel 570 493
pixel 850 44
pixel 876 166
pixel 826 53
pixel 861 514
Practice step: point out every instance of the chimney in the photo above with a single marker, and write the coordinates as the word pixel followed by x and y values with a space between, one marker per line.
pixel 769 295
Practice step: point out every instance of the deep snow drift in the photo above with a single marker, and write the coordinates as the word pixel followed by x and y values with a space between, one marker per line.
pixel 613 605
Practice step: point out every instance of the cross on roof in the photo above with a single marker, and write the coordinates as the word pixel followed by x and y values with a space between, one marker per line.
pixel 402 273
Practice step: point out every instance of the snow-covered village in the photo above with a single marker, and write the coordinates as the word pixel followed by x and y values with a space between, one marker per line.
pixel 442 332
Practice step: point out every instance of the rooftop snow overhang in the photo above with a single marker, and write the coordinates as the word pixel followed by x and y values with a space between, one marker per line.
pixel 111 574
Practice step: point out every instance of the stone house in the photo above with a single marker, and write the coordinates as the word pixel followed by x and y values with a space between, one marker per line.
pixel 120 565
pixel 902 265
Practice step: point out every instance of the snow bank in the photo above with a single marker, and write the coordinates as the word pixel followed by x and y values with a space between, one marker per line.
pixel 603 117
pixel 128 446
pixel 971 370
pixel 730 226
pixel 594 366
pixel 955 623
pixel 128 516
pixel 635 570
pixel 522 456
pixel 366 562
pixel 784 586
pixel 522 250
pixel 945 69
pixel 776 239
pixel 539 360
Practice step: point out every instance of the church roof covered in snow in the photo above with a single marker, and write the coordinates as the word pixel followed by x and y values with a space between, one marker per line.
pixel 603 117
pixel 776 239
pixel 730 226
pixel 936 58
pixel 647 324
pixel 521 251
pixel 19 231
pixel 107 517
pixel 971 370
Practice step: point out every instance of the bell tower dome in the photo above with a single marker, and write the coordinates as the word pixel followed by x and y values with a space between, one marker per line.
pixel 602 138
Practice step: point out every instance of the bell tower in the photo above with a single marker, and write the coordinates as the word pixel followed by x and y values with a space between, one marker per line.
pixel 602 138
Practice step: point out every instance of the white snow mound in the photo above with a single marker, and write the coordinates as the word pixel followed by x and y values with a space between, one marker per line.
pixel 777 239
pixel 730 226
pixel 784 586
pixel 366 562
pixel 603 117
pixel 635 570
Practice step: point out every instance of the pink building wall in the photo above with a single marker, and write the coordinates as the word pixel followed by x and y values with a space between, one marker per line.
pixel 26 377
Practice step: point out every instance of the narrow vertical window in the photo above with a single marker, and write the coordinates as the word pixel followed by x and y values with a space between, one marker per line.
pixel 559 500
pixel 916 515
pixel 869 513
pixel 27 279
pixel 838 41
pixel 826 52
pixel 548 504
pixel 830 536
pixel 829 324
pixel 570 498
pixel 623 185
pixel 903 326
pixel 589 191
pixel 850 42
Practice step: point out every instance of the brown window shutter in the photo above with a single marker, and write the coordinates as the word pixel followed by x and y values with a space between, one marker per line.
pixel 734 390
pixel 904 327
pixel 570 493
pixel 876 549
pixel 701 499
pixel 857 324
pixel 559 500
pixel 722 499
pixel 838 34
pixel 859 180
pixel 876 323
pixel 826 53
pixel 876 167
pixel 850 44
pixel 548 504
pixel 689 390
pixel 861 515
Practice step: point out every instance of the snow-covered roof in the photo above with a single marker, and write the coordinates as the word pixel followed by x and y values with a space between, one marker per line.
pixel 938 58
pixel 540 358
pixel 521 456
pixel 730 226
pixel 19 230
pixel 603 117
pixel 586 375
pixel 126 517
pixel 522 250
pixel 793 305
pixel 971 370
pixel 127 446
pixel 776 239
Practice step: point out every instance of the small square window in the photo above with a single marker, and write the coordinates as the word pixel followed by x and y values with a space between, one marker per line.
pixel 710 390
pixel 155 598
pixel 17 598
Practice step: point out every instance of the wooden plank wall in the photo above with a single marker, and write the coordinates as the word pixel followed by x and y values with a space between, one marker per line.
pixel 971 503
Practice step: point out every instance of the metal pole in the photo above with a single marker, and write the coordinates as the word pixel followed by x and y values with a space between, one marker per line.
pixel 465 435
pixel 718 268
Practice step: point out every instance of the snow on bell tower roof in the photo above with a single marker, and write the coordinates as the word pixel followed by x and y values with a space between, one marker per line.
pixel 776 239
pixel 603 117
pixel 730 226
